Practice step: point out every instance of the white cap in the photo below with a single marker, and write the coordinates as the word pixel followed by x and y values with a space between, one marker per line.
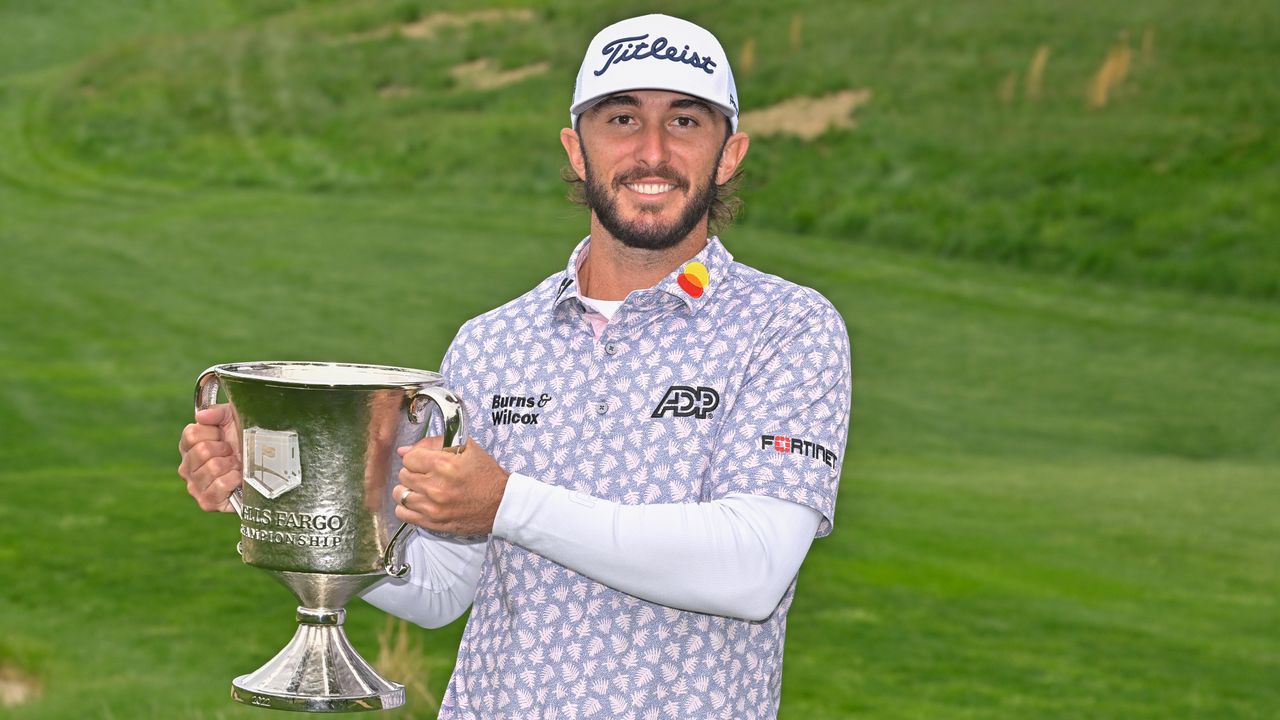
pixel 656 52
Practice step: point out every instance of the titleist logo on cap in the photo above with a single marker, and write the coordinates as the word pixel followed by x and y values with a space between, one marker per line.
pixel 631 48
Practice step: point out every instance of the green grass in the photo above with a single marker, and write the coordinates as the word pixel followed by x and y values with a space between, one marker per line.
pixel 1060 498
pixel 1173 183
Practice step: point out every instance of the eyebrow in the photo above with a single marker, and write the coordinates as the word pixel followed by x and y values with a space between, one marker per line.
pixel 631 101
pixel 612 100
pixel 685 103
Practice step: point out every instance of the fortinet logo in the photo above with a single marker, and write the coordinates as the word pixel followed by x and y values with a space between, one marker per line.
pixel 807 448
pixel 688 401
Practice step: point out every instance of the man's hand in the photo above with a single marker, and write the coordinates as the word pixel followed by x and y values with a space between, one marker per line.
pixel 449 491
pixel 211 457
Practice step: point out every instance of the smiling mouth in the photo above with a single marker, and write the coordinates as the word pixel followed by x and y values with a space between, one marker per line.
pixel 650 188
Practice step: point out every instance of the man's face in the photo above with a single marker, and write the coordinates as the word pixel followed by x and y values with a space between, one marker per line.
pixel 651 160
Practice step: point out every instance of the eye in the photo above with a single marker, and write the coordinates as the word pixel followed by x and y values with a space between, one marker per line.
pixel 622 120
pixel 684 121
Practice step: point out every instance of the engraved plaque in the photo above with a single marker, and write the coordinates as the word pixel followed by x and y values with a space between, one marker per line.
pixel 271 461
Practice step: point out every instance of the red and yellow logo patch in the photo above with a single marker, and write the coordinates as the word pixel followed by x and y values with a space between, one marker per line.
pixel 694 279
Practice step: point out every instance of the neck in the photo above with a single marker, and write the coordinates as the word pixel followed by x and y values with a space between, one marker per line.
pixel 612 270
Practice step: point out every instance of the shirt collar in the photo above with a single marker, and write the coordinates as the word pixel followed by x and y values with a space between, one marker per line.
pixel 693 283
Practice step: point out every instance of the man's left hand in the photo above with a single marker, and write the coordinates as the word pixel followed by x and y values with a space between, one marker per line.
pixel 449 491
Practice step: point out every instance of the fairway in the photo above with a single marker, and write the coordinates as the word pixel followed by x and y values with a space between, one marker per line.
pixel 1061 497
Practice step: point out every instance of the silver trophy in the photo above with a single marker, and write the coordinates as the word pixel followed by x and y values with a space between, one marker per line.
pixel 319 452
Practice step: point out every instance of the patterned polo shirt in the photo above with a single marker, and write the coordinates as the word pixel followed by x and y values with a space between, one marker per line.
pixel 720 379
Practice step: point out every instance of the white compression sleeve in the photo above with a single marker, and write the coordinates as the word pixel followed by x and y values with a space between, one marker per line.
pixel 734 556
pixel 443 572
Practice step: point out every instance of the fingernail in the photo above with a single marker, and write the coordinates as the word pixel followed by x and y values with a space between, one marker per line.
pixel 403 449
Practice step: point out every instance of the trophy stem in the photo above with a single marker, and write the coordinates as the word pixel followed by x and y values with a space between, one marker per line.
pixel 318 671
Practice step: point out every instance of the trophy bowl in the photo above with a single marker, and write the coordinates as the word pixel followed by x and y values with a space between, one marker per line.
pixel 318 445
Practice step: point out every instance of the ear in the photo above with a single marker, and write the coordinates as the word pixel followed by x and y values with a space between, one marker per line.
pixel 735 148
pixel 573 148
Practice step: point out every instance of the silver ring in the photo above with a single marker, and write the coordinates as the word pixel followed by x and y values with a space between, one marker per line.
pixel 404 499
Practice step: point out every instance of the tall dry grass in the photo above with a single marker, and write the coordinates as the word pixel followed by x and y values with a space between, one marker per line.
pixel 1111 74
pixel 1034 86
pixel 747 58
pixel 401 659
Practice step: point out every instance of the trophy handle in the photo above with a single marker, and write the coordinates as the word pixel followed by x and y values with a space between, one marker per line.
pixel 206 395
pixel 455 417
pixel 455 439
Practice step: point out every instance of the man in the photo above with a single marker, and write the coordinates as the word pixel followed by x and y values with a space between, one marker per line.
pixel 656 431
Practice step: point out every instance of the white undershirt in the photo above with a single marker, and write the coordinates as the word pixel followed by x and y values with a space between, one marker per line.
pixel 607 308
pixel 599 313
pixel 734 556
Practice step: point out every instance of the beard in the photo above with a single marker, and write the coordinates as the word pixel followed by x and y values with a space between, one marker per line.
pixel 649 235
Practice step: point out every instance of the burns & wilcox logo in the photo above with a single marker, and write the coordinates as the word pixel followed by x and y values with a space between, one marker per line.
pixel 516 409
pixel 634 48
pixel 688 401
pixel 807 448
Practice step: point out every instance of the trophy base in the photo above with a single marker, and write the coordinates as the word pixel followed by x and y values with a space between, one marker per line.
pixel 318 671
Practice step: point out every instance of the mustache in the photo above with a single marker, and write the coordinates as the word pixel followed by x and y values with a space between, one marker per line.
pixel 666 172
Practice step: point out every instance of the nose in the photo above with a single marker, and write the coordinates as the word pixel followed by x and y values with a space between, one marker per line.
pixel 652 145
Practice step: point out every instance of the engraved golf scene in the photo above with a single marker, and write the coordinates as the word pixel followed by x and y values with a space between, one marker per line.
pixel 748 360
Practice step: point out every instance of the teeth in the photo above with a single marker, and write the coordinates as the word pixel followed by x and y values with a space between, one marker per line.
pixel 651 188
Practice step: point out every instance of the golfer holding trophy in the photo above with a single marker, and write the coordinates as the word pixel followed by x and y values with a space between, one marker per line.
pixel 655 439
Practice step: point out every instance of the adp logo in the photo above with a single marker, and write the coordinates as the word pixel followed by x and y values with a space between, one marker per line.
pixel 688 401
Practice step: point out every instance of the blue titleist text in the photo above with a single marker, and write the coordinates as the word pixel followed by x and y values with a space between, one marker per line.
pixel 631 48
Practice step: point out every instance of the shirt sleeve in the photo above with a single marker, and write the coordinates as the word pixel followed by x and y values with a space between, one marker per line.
pixel 735 556
pixel 785 428
pixel 442 579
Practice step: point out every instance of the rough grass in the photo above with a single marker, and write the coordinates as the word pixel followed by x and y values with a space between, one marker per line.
pixel 1129 142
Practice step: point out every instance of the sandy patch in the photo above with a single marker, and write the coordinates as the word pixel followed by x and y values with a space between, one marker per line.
pixel 483 74
pixel 16 686
pixel 806 117
pixel 394 91
pixel 428 26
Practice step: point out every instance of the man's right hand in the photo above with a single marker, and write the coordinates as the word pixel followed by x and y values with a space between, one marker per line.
pixel 211 457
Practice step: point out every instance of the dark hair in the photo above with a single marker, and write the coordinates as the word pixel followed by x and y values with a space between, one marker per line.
pixel 724 207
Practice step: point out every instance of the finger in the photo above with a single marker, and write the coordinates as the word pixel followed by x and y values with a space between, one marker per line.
pixel 216 496
pixel 203 476
pixel 195 433
pixel 416 482
pixel 422 461
pixel 223 488
pixel 421 513
pixel 431 442
pixel 202 453
pixel 214 414
pixel 425 483
pixel 400 494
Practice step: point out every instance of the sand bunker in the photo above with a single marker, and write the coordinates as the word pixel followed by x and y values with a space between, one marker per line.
pixel 483 74
pixel 806 117
pixel 16 686
pixel 427 26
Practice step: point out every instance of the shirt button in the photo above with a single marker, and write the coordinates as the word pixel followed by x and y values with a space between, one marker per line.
pixel 611 348
pixel 602 407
